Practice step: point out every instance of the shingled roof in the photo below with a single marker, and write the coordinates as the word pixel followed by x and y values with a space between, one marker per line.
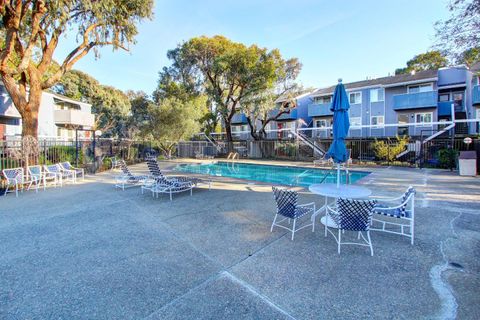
pixel 384 81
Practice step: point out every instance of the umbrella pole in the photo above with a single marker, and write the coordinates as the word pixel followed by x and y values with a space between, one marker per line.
pixel 338 175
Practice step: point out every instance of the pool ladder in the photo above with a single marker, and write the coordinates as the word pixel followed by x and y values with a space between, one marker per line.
pixel 347 175
pixel 232 156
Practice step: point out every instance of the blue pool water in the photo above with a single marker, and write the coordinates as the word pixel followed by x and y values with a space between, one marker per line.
pixel 291 176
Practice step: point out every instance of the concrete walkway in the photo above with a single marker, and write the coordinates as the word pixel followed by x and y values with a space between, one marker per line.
pixel 88 251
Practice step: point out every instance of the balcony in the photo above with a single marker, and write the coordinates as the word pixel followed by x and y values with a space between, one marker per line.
pixel 476 94
pixel 74 117
pixel 415 100
pixel 239 118
pixel 445 107
pixel 292 115
pixel 319 110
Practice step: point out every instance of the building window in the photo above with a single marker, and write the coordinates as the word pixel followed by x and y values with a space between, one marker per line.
pixel 444 97
pixel 323 123
pixel 377 121
pixel 322 100
pixel 478 113
pixel 355 121
pixel 424 118
pixel 355 97
pixel 377 95
pixel 420 88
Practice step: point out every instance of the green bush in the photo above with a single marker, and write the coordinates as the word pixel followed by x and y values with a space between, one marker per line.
pixel 286 149
pixel 388 150
pixel 447 158
pixel 56 154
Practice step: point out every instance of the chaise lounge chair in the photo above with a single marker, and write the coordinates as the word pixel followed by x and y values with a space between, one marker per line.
pixel 127 179
pixel 154 169
pixel 162 185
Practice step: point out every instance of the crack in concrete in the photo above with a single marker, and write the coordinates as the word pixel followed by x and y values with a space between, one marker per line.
pixel 441 286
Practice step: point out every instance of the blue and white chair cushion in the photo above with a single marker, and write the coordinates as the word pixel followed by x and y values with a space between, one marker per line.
pixel 400 212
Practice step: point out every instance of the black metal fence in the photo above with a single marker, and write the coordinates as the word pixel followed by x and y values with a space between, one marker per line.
pixel 365 151
pixel 94 155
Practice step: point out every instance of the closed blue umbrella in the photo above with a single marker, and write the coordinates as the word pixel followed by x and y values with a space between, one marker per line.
pixel 341 124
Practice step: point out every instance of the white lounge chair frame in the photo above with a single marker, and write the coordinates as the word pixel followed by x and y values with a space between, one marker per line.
pixel 127 179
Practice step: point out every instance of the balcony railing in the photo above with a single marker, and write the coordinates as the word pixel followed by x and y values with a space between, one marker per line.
pixel 292 115
pixel 319 110
pixel 74 117
pixel 445 107
pixel 239 118
pixel 415 100
pixel 476 94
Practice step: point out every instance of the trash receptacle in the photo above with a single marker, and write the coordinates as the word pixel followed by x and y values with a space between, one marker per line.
pixel 467 161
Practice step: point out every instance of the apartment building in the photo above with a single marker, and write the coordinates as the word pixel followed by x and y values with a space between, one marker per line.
pixel 58 117
pixel 412 102
pixel 295 119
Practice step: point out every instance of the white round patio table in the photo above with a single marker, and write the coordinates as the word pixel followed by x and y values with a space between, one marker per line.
pixel 330 190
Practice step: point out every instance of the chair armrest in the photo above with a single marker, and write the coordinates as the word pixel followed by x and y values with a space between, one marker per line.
pixel 389 199
pixel 310 204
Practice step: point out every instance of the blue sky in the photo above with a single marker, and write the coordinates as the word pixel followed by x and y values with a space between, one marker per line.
pixel 349 39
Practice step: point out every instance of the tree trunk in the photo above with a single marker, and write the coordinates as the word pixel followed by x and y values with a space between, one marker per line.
pixel 30 124
pixel 228 131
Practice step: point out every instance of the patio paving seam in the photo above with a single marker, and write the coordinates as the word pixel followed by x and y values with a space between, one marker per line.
pixel 253 290
pixel 224 270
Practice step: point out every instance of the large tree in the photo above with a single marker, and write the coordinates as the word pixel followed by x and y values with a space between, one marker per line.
pixel 461 31
pixel 31 31
pixel 270 104
pixel 174 120
pixel 228 72
pixel 110 105
pixel 469 57
pixel 431 60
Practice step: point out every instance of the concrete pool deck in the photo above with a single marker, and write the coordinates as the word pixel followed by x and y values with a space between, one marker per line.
pixel 90 251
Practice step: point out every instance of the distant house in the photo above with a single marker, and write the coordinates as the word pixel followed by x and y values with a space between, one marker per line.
pixel 58 117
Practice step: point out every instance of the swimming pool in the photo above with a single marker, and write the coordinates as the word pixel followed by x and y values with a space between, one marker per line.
pixel 286 175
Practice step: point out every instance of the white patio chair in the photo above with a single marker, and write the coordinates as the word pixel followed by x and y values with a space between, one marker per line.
pixel 14 179
pixel 66 166
pixel 67 174
pixel 42 176
pixel 350 215
pixel 54 170
pixel 288 207
pixel 397 213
